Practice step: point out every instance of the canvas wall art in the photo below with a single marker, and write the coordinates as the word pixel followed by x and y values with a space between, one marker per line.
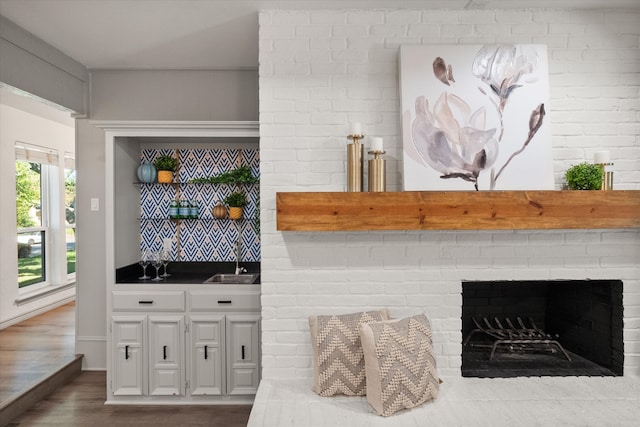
pixel 474 117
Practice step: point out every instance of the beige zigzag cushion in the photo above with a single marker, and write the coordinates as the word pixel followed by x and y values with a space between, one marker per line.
pixel 338 362
pixel 399 364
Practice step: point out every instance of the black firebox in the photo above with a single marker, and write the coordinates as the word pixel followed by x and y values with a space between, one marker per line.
pixel 542 328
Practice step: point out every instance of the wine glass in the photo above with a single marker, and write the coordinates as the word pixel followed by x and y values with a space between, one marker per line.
pixel 144 263
pixel 165 258
pixel 156 261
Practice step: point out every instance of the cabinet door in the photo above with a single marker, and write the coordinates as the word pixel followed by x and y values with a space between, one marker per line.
pixel 243 355
pixel 128 376
pixel 166 360
pixel 207 351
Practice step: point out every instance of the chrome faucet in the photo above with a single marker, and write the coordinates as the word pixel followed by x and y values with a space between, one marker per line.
pixel 239 269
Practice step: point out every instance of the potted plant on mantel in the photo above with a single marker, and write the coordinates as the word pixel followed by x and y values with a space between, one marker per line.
pixel 585 176
pixel 236 201
pixel 166 166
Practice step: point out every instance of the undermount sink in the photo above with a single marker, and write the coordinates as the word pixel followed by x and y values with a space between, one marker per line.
pixel 245 279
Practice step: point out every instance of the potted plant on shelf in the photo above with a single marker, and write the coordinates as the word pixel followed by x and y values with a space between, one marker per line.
pixel 166 166
pixel 585 176
pixel 236 201
pixel 239 175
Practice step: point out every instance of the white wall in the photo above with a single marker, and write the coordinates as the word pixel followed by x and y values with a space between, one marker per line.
pixel 322 70
pixel 19 125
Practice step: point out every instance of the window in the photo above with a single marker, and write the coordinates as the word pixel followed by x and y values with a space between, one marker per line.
pixel 31 232
pixel 45 217
pixel 70 214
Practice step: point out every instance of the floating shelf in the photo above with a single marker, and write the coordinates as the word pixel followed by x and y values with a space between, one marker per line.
pixel 457 210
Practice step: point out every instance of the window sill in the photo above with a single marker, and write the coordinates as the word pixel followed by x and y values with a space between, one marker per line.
pixel 43 292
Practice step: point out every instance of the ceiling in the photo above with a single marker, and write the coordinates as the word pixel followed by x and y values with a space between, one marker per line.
pixel 139 34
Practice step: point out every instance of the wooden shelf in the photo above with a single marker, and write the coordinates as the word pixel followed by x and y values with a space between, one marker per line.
pixel 457 210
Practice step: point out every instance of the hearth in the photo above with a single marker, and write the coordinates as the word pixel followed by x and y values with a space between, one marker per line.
pixel 542 328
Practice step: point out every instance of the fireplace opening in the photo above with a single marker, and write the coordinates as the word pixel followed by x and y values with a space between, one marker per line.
pixel 542 328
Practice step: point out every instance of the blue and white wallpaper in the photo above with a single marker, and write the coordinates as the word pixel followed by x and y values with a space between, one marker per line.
pixel 205 238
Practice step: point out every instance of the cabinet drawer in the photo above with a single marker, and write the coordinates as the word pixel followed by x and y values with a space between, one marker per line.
pixel 148 301
pixel 207 301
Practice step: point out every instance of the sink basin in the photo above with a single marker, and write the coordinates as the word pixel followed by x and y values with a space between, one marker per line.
pixel 245 279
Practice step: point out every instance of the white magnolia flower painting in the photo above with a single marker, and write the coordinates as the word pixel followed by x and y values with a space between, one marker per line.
pixel 475 117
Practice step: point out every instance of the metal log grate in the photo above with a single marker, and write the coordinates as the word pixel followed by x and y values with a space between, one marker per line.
pixel 517 337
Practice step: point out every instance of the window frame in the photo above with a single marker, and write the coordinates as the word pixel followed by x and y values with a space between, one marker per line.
pixel 53 223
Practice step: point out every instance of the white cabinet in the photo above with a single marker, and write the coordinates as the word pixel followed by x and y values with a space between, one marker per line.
pixel 189 345
pixel 243 361
pixel 166 355
pixel 128 378
pixel 207 346
pixel 225 357
pixel 148 363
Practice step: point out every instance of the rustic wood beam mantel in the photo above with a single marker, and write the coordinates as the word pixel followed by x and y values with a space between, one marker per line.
pixel 457 210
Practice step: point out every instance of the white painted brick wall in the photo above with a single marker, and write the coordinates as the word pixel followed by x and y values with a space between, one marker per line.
pixel 322 70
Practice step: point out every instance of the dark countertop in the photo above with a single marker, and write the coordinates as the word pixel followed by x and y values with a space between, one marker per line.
pixel 183 272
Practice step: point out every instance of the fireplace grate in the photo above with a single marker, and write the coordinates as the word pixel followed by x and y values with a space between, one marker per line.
pixel 516 337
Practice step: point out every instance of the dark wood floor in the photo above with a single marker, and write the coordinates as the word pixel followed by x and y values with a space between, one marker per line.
pixel 34 348
pixel 31 350
pixel 81 403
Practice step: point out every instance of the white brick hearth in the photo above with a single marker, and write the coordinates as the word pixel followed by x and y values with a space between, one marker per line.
pixel 322 70
pixel 571 401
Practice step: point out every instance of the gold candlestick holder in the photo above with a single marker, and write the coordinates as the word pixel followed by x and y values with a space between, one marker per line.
pixel 377 172
pixel 355 157
pixel 607 177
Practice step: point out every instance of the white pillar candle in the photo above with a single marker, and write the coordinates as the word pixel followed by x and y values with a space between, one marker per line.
pixel 356 128
pixel 601 157
pixel 376 144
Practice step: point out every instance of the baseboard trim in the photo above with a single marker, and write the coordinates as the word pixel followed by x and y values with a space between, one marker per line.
pixel 94 349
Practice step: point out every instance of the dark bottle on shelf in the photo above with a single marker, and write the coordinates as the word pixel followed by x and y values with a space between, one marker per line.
pixel 184 210
pixel 194 209
pixel 173 209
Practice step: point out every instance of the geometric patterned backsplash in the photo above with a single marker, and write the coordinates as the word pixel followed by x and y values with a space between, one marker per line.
pixel 205 238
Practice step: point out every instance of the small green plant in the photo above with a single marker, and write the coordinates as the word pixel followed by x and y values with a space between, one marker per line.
pixel 239 175
pixel 585 176
pixel 236 199
pixel 166 163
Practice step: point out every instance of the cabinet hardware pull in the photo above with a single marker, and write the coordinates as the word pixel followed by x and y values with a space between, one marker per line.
pixel 242 352
pixel 145 302
pixel 164 352
pixel 224 301
pixel 206 355
pixel 126 352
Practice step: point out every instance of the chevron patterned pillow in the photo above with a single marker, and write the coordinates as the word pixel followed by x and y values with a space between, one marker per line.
pixel 399 363
pixel 338 362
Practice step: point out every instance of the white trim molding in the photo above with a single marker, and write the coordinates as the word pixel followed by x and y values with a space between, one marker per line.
pixel 179 128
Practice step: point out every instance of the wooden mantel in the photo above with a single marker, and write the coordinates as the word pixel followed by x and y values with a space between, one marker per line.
pixel 457 210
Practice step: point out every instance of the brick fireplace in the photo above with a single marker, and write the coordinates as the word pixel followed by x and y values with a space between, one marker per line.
pixel 423 272
pixel 322 70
